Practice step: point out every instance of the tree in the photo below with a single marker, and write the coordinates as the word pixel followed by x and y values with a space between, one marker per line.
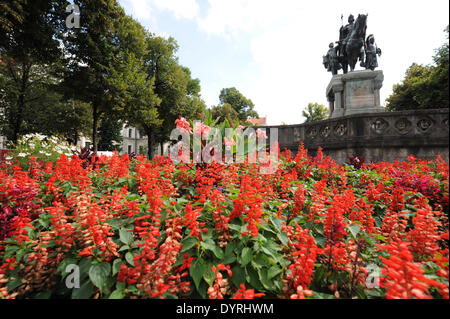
pixel 180 96
pixel 55 115
pixel 11 13
pixel 94 53
pixel 109 133
pixel 177 92
pixel 148 86
pixel 242 105
pixel 315 112
pixel 28 46
pixel 424 87
pixel 225 111
pixel 46 109
pixel 140 105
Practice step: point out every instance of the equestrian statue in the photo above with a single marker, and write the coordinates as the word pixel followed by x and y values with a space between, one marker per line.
pixel 351 47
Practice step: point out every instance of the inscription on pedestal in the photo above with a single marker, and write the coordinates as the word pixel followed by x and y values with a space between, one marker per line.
pixel 359 94
pixel 355 92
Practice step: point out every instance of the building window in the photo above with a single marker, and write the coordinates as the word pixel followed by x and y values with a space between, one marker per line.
pixel 129 149
pixel 130 133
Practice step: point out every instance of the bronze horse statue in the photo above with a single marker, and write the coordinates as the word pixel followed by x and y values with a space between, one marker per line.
pixel 354 48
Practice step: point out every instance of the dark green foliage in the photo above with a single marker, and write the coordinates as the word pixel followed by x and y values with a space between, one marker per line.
pixel 424 87
pixel 28 50
pixel 109 134
pixel 225 111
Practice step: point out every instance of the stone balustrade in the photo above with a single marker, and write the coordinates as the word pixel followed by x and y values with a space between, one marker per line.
pixel 383 136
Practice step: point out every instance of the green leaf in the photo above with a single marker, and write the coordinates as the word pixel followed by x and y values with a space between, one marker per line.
pixel 261 260
pixel 354 229
pixel 320 295
pixel 85 265
pixel 10 250
pixel 116 266
pixel 209 275
pixel 133 197
pixel 229 258
pixel 84 292
pixel 126 236
pixel 283 238
pixel 238 277
pixel 117 294
pixel 277 223
pixel 262 273
pixel 234 227
pixel 63 265
pixel 188 243
pixel 129 258
pixel 43 295
pixel 114 223
pixel 320 241
pixel 379 237
pixel 123 248
pixel 273 271
pixel 210 245
pixel 99 273
pixel 13 284
pixel 253 278
pixel 197 271
pixel 246 256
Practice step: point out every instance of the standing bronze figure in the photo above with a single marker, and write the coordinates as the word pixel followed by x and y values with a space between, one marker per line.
pixel 331 60
pixel 371 53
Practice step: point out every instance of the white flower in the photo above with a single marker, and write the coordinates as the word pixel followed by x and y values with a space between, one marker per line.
pixel 21 154
pixel 48 154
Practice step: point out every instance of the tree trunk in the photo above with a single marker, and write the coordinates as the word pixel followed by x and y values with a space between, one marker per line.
pixel 95 116
pixel 21 102
pixel 149 133
pixel 76 138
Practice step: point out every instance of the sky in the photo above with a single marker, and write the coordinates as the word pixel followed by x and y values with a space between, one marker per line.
pixel 271 51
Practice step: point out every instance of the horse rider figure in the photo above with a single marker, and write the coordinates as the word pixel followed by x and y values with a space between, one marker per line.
pixel 345 33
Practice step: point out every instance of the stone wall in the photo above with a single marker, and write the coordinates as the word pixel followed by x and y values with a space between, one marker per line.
pixel 384 136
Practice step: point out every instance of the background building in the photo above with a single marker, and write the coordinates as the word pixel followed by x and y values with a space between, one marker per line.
pixel 258 122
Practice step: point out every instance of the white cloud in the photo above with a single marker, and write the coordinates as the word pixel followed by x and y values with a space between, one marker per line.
pixel 140 9
pixel 147 9
pixel 230 17
pixel 187 9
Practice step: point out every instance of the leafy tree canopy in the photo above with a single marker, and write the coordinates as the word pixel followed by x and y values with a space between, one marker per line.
pixel 315 112
pixel 424 87
pixel 28 52
pixel 110 135
pixel 242 105
pixel 225 111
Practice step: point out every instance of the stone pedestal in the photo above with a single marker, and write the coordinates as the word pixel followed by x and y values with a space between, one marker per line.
pixel 355 92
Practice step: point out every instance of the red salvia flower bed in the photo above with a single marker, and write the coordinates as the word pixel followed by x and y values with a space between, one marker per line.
pixel 154 229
